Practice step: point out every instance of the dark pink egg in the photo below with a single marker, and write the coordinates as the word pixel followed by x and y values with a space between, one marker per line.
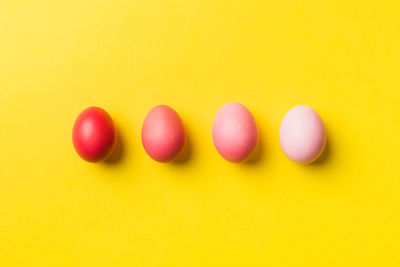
pixel 163 134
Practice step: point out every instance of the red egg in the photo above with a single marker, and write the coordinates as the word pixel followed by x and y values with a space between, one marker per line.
pixel 163 134
pixel 94 135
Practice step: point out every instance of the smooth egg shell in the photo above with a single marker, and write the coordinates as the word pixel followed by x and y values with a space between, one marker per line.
pixel 302 135
pixel 235 132
pixel 163 134
pixel 94 135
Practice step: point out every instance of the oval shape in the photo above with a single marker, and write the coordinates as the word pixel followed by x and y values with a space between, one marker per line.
pixel 94 135
pixel 302 134
pixel 235 132
pixel 163 134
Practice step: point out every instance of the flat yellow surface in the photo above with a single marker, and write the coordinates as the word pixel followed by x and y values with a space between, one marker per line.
pixel 340 57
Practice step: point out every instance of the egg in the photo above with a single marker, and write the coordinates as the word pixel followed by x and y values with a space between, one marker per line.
pixel 163 134
pixel 302 135
pixel 94 135
pixel 235 132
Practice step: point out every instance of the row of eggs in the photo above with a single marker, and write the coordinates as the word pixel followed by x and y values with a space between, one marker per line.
pixel 302 134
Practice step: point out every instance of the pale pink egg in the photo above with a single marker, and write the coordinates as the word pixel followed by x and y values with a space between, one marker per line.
pixel 235 132
pixel 302 135
pixel 163 134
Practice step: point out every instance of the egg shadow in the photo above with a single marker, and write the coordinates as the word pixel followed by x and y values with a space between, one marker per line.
pixel 186 153
pixel 257 154
pixel 118 153
pixel 324 157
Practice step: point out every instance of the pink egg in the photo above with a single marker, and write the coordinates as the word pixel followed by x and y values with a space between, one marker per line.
pixel 302 135
pixel 163 134
pixel 234 132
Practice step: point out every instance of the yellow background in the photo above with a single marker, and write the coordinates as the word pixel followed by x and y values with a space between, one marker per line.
pixel 340 57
